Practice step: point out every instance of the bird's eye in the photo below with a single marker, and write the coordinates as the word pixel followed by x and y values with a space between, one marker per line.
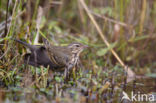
pixel 77 45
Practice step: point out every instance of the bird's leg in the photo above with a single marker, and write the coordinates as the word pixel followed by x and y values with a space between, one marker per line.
pixel 74 73
pixel 79 65
pixel 35 59
pixel 67 70
pixel 65 73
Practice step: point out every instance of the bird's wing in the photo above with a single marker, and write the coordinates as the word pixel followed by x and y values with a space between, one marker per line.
pixel 59 55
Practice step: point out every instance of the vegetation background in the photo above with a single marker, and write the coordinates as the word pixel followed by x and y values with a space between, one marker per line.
pixel 129 26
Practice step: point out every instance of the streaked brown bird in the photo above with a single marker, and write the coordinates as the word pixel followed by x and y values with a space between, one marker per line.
pixel 54 57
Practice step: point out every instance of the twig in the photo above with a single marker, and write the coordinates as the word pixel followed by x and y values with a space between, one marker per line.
pixel 142 16
pixel 12 16
pixel 130 73
pixel 6 29
pixel 9 30
pixel 56 2
pixel 109 19
pixel 38 23
pixel 2 24
pixel 4 53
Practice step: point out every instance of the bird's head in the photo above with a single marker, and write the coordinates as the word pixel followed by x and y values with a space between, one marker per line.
pixel 77 48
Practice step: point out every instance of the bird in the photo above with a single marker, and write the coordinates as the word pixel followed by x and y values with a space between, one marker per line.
pixel 54 57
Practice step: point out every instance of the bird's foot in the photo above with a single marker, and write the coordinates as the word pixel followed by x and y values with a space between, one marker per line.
pixel 66 75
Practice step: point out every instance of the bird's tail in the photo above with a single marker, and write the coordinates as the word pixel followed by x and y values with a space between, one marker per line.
pixel 31 47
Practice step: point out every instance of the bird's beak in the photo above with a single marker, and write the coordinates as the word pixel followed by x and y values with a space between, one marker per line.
pixel 85 46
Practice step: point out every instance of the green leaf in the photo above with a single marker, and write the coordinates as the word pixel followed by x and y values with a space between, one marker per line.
pixel 6 38
pixel 103 51
pixel 43 34
pixel 138 38
pixel 58 79
pixel 152 75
